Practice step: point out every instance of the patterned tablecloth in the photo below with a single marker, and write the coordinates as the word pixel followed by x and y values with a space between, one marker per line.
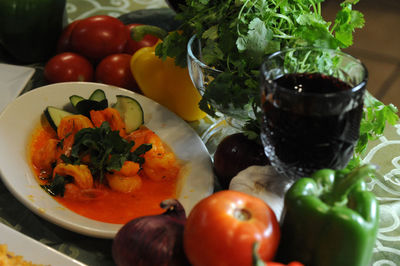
pixel 385 152
pixel 78 9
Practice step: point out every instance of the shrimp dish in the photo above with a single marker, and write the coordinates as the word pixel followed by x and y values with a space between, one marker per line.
pixel 93 166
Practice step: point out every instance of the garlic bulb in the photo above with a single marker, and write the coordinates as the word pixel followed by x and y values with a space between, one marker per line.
pixel 265 183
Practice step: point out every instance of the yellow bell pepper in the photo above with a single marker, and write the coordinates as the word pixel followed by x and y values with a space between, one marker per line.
pixel 166 83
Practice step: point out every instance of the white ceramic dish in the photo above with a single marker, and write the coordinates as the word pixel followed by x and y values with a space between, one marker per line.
pixel 20 117
pixel 12 81
pixel 32 250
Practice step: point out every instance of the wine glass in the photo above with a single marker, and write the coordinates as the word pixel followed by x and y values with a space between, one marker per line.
pixel 312 103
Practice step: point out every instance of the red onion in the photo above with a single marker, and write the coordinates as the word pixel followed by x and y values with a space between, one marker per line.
pixel 235 153
pixel 152 240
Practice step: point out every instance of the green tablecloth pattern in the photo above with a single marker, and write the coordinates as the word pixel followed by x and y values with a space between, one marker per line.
pixel 385 152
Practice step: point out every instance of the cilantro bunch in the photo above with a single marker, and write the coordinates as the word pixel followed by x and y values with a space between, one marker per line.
pixel 236 35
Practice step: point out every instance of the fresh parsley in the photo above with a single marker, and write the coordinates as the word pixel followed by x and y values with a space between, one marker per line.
pixel 105 149
pixel 237 35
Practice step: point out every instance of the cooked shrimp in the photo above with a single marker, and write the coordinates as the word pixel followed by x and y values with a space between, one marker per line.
pixel 158 148
pixel 138 136
pixel 159 162
pixel 71 124
pixel 124 184
pixel 147 136
pixel 160 167
pixel 68 127
pixel 110 115
pixel 80 173
pixel 129 168
pixel 125 180
pixel 45 157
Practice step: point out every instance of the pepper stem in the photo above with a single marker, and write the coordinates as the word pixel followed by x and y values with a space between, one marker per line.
pixel 343 186
pixel 138 32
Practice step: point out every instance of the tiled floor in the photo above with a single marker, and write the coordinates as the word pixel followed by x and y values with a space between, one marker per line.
pixel 377 45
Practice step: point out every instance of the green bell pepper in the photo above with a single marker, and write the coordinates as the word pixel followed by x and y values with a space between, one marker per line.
pixel 29 29
pixel 330 219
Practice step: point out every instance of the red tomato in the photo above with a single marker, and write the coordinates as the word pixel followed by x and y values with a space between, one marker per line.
pixel 115 70
pixel 68 66
pixel 98 36
pixel 222 229
pixel 132 46
pixel 64 42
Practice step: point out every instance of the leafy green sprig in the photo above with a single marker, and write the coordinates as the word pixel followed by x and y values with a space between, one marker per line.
pixel 57 186
pixel 244 31
pixel 376 116
pixel 105 148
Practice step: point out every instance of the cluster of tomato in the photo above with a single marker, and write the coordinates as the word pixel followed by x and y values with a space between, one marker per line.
pixel 97 48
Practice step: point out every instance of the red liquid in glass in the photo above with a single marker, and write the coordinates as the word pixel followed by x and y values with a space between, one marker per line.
pixel 300 140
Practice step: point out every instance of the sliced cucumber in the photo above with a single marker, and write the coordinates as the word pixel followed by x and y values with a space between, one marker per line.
pixel 96 101
pixel 54 116
pixel 75 99
pixel 131 112
pixel 98 95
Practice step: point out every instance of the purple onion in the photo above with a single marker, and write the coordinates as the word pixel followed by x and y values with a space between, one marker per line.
pixel 152 240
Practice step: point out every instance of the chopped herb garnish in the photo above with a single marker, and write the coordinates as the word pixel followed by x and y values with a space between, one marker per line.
pixel 105 149
pixel 135 155
pixel 57 185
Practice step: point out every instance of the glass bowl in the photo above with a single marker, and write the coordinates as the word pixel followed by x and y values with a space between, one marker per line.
pixel 200 73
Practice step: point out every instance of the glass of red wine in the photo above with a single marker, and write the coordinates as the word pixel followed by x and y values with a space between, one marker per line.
pixel 312 105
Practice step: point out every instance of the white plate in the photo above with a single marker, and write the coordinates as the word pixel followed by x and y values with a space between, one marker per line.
pixel 20 117
pixel 32 250
pixel 12 81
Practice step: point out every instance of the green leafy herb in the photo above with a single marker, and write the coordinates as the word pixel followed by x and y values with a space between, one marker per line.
pixel 135 156
pixel 345 23
pixel 375 118
pixel 106 149
pixel 57 185
pixel 237 34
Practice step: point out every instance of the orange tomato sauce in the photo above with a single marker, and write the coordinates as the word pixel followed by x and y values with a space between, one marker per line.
pixel 103 204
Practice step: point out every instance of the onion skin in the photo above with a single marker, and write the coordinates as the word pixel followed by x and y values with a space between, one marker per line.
pixel 152 240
